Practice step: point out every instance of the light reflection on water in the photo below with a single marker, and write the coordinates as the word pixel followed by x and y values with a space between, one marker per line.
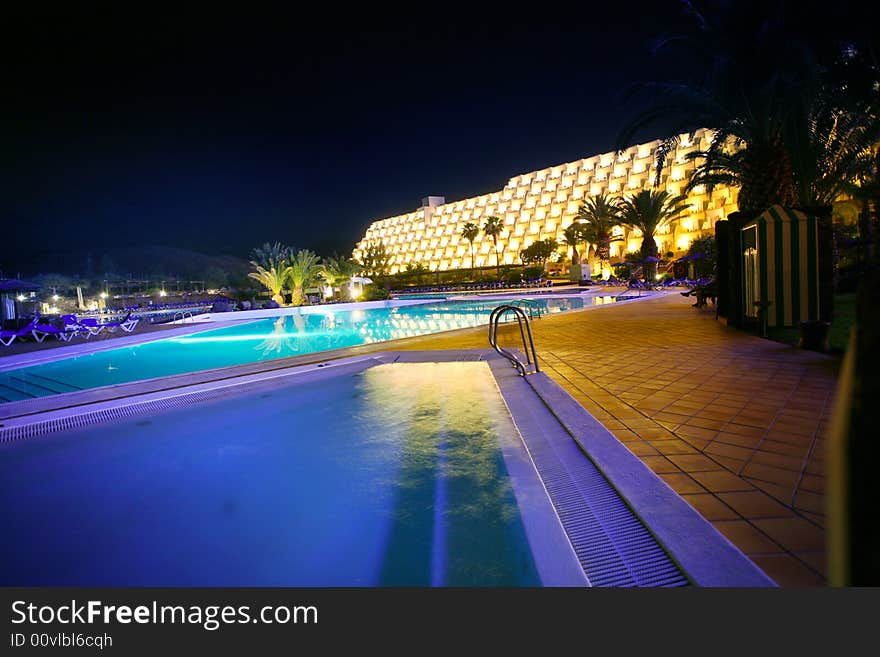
pixel 288 335
pixel 389 477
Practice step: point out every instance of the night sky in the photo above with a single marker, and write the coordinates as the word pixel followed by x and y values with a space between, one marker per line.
pixel 219 130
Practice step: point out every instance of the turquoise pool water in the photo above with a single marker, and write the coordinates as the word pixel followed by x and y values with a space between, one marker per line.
pixel 394 476
pixel 289 335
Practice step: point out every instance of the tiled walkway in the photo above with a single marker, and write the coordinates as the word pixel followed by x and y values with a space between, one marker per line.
pixel 734 423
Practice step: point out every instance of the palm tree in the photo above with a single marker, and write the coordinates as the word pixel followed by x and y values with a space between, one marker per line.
pixel 470 231
pixel 269 255
pixel 647 211
pixel 338 270
pixel 597 216
pixel 573 236
pixel 492 228
pixel 789 122
pixel 273 278
pixel 304 267
pixel 756 73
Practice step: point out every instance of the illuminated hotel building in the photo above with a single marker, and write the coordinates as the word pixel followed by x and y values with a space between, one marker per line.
pixel 541 204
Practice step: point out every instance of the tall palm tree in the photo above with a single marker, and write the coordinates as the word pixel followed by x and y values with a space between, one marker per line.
pixel 597 216
pixel 647 211
pixel 304 267
pixel 272 278
pixel 757 75
pixel 492 228
pixel 470 231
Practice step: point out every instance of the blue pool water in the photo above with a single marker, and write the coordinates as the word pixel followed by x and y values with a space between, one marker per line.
pixel 393 476
pixel 289 335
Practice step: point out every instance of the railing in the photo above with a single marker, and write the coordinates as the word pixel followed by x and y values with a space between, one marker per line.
pixel 528 346
pixel 183 316
pixel 535 309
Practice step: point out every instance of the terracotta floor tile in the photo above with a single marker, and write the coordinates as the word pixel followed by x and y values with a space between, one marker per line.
pixel 813 483
pixel 771 474
pixel 816 518
pixel 791 439
pixel 694 462
pixel 744 430
pixel 733 465
pixel 792 463
pixel 784 449
pixel 682 483
pixel 748 442
pixel 818 561
pixel 660 464
pixel 794 534
pixel 755 504
pixel 731 451
pixel 746 537
pixel 641 448
pixel 625 435
pixel 696 432
pixel 807 501
pixel 783 494
pixel 705 422
pixel 674 446
pixel 710 507
pixel 786 570
pixel 654 433
pixel 721 481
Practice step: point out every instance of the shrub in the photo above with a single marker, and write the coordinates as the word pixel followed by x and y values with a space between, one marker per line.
pixel 375 293
pixel 530 273
pixel 514 277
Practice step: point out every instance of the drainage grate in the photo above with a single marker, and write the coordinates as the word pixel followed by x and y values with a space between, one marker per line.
pixel 612 545
pixel 117 413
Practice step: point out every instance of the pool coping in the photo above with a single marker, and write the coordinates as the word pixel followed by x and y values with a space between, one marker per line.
pixel 704 555
pixel 25 407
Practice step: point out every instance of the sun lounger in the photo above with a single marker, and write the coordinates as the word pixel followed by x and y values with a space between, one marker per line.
pixel 127 324
pixel 8 336
pixel 41 331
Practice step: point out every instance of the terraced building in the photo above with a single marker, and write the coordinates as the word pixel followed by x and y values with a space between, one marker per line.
pixel 543 203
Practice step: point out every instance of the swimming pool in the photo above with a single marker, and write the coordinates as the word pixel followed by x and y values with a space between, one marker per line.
pixel 261 340
pixel 380 477
pixel 431 468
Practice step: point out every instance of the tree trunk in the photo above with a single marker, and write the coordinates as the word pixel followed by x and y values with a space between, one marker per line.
pixel 278 298
pixel 298 296
pixel 766 178
pixel 649 249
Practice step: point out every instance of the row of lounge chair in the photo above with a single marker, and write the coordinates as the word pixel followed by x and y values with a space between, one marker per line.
pixel 69 327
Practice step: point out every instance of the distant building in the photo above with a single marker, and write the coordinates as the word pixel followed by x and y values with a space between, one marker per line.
pixel 541 204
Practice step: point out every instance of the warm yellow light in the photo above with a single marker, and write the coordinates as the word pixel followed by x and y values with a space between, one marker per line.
pixel 20 297
pixel 103 295
pixel 55 297
pixel 163 293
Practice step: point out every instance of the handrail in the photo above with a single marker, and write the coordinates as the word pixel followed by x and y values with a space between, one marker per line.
pixel 534 308
pixel 528 346
pixel 183 315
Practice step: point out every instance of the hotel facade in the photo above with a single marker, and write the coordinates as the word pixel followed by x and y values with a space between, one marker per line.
pixel 541 204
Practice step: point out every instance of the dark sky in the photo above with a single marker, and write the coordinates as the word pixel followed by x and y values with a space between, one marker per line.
pixel 219 130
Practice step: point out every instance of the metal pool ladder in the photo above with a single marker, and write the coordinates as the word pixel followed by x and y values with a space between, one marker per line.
pixel 522 319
